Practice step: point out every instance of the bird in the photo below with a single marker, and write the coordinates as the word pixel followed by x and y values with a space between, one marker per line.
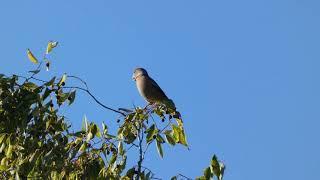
pixel 149 89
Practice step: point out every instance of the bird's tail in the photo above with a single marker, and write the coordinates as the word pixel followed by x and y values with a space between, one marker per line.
pixel 170 104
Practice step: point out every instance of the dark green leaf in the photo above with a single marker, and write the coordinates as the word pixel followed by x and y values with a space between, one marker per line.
pixel 151 132
pixel 51 82
pixel 130 173
pixel 170 139
pixel 174 178
pixel 46 94
pixel 207 173
pixel 159 148
pixel 72 97
pixel 160 138
pixel 113 159
pixel 30 86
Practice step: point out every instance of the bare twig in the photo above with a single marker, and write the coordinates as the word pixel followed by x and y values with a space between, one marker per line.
pixel 184 176
pixel 97 101
pixel 83 82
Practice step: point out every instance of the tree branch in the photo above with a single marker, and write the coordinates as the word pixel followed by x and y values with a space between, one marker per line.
pixel 140 151
pixel 97 101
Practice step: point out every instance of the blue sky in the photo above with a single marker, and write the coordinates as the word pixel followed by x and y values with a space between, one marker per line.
pixel 244 74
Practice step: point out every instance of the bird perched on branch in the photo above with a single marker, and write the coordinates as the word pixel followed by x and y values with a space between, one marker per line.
pixel 150 90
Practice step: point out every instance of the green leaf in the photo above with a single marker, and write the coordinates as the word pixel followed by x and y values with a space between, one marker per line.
pixel 201 178
pixel 104 128
pixel 151 132
pixel 4 161
pixel 113 159
pixel 160 138
pixel 51 82
pixel 9 151
pixel 63 97
pixel 2 137
pixel 217 167
pixel 174 178
pixel 3 168
pixel 46 93
pixel 176 133
pixel 84 124
pixel 159 148
pixel 83 147
pixel 96 131
pixel 63 79
pixel 222 168
pixel 3 145
pixel 72 97
pixel 179 135
pixel 89 136
pixel 131 172
pixel 182 138
pixel 31 57
pixel 207 173
pixel 50 46
pixel 30 86
pixel 170 139
pixel 120 148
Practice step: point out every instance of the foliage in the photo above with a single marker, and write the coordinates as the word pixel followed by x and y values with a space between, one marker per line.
pixel 36 140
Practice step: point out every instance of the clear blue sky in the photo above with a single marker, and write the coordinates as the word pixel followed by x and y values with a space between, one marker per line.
pixel 244 74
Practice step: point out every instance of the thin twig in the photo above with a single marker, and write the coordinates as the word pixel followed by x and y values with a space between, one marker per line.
pixel 97 101
pixel 184 176
pixel 79 88
pixel 76 77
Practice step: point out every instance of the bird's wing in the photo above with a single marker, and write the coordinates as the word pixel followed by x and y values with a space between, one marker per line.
pixel 154 84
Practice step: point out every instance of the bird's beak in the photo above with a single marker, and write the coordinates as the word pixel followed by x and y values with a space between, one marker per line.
pixel 133 78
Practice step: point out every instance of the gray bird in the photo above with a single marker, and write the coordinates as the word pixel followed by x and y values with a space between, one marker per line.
pixel 149 89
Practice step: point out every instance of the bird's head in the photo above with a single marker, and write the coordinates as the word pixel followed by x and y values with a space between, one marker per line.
pixel 139 72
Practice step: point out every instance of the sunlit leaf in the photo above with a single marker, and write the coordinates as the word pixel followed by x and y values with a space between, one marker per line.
pixel 89 136
pixel 62 80
pixel 9 151
pixel 3 168
pixel 31 57
pixel 104 128
pixel 84 124
pixel 120 148
pixel 2 137
pixel 50 46
pixel 83 147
